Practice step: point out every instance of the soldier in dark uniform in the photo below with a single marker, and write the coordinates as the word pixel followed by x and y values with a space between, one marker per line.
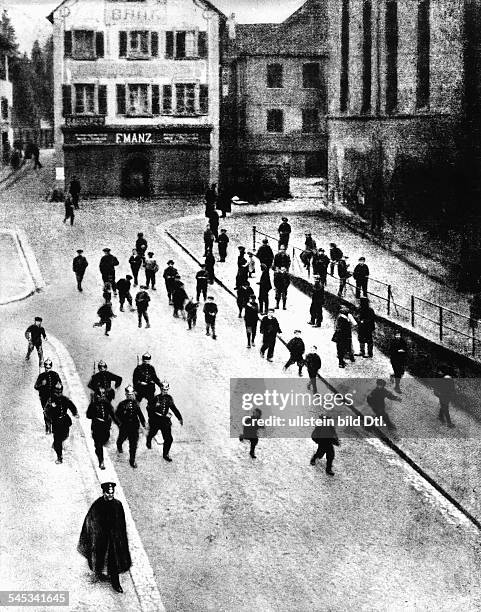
pixel 130 417
pixel 79 265
pixel 202 280
pixel 317 302
pixel 313 365
pixel 101 412
pixel 284 231
pixel 103 540
pixel 34 334
pixel 325 437
pixel 376 400
pixel 250 430
pixel 135 262
pixel 56 410
pixel 104 379
pixel 281 284
pixel 398 352
pixel 144 379
pixel 281 259
pixel 265 286
pixel 222 243
pixel 45 385
pixel 296 348
pixel 123 287
pixel 269 329
pixel 159 418
pixel 169 275
pixel 107 268
pixel 265 254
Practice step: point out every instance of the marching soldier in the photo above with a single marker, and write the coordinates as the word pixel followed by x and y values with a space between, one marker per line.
pixel 130 417
pixel 56 411
pixel 104 379
pixel 101 412
pixel 169 276
pixel 144 379
pixel 34 334
pixel 159 418
pixel 79 265
pixel 45 385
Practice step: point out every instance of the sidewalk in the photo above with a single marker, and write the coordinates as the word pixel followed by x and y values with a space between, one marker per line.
pixel 43 504
pixel 449 456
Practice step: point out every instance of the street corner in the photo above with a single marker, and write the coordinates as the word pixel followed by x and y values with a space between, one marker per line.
pixel 16 281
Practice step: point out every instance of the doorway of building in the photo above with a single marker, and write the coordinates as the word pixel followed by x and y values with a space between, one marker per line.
pixel 136 177
pixel 316 164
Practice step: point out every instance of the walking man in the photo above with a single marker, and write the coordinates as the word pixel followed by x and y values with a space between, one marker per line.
pixel 69 210
pixel 142 300
pixel 325 437
pixel 101 413
pixel 135 262
pixel 265 286
pixel 398 352
pixel 35 334
pixel 269 329
pixel 336 256
pixel 281 259
pixel 141 245
pixel 105 314
pixel 222 243
pixel 159 410
pixel 284 231
pixel 214 223
pixel 445 391
pixel 145 378
pixel 265 254
pixel 251 429
pixel 366 327
pixel 123 287
pixel 169 277
pixel 79 265
pixel 361 276
pixel 320 264
pixel 377 401
pixel 210 314
pixel 251 318
pixel 191 310
pixel 313 365
pixel 209 266
pixel 107 268
pixel 103 379
pixel 56 410
pixel 296 348
pixel 208 240
pixel 202 280
pixel 343 337
pixel 151 269
pixel 317 302
pixel 130 417
pixel 281 284
pixel 103 539
pixel 74 190
pixel 179 299
pixel 344 274
pixel 45 386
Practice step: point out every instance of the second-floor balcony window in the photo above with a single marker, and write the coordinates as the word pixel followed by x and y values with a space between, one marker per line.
pixel 84 99
pixel 185 44
pixel 138 44
pixel 84 44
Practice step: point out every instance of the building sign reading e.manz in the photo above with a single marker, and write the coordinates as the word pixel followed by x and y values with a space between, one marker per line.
pixel 133 138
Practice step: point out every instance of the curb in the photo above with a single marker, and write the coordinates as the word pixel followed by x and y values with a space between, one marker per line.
pixel 31 260
pixel 23 259
pixel 141 571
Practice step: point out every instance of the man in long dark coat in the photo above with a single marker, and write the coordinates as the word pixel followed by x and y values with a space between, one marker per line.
pixel 325 437
pixel 343 337
pixel 79 265
pixel 317 302
pixel 265 286
pixel 265 254
pixel 103 540
pixel 107 268
pixel 398 353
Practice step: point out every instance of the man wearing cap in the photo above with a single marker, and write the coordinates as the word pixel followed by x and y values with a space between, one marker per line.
pixel 343 337
pixel 284 231
pixel 202 280
pixel 265 254
pixel 45 385
pixel 317 302
pixel 210 315
pixel 107 268
pixel 310 243
pixel 123 287
pixel 179 298
pixel 296 348
pixel 214 223
pixel 159 410
pixel 336 256
pixel 222 243
pixel 361 276
pixel 376 400
pixel 151 269
pixel 129 417
pixel 208 240
pixel 103 539
pixel 269 329
pixel 344 274
pixel 325 437
pixel 320 264
pixel 101 412
pixel 251 319
pixel 135 262
pixel 79 265
pixel 142 300
pixel 34 334
pixel 445 391
pixel 265 286
pixel 141 245
pixel 144 379
pixel 281 259
pixel 209 266
pixel 104 379
pixel 56 411
pixel 281 283
pixel 169 276
pixel 313 364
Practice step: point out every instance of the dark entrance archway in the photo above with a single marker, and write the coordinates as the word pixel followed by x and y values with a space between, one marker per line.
pixel 136 177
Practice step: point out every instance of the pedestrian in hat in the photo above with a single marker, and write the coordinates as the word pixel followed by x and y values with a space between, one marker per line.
pixel 251 318
pixel 141 245
pixel 269 329
pixel 336 256
pixel 105 314
pixel 210 199
pixel 142 300
pixel 343 336
pixel 313 364
pixel 317 302
pixel 123 287
pixel 310 243
pixel 320 264
pixel 284 231
pixel 35 334
pixel 103 539
pixel 69 210
pixel 366 326
pixel 445 391
pixel 250 430
pixel 265 286
pixel 376 400
pixel 202 280
pixel 265 254
pixel 361 276
pixel 296 348
pixel 209 266
pixel 151 269
pixel 398 353
pixel 344 274
pixel 325 437
pixel 282 281
pixel 74 190
pixel 214 223
pixel 179 298
pixel 208 240
pixel 169 276
pixel 222 243
pixel 282 259
pixel 79 265
pixel 191 311
pixel 107 267
pixel 135 262
pixel 210 314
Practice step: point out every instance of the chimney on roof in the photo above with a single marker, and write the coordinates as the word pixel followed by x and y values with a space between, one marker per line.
pixel 231 24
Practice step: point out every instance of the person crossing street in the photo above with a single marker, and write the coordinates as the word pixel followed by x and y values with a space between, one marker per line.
pixel 56 410
pixel 35 334
pixel 159 410
pixel 101 413
pixel 79 265
pixel 45 385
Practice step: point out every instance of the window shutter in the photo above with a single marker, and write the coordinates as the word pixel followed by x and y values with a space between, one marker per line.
pixel 155 100
pixel 120 99
pixel 167 99
pixel 67 44
pixel 169 45
pixel 66 100
pixel 102 99
pixel 204 99
pixel 180 44
pixel 154 44
pixel 99 44
pixel 122 44
pixel 202 44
